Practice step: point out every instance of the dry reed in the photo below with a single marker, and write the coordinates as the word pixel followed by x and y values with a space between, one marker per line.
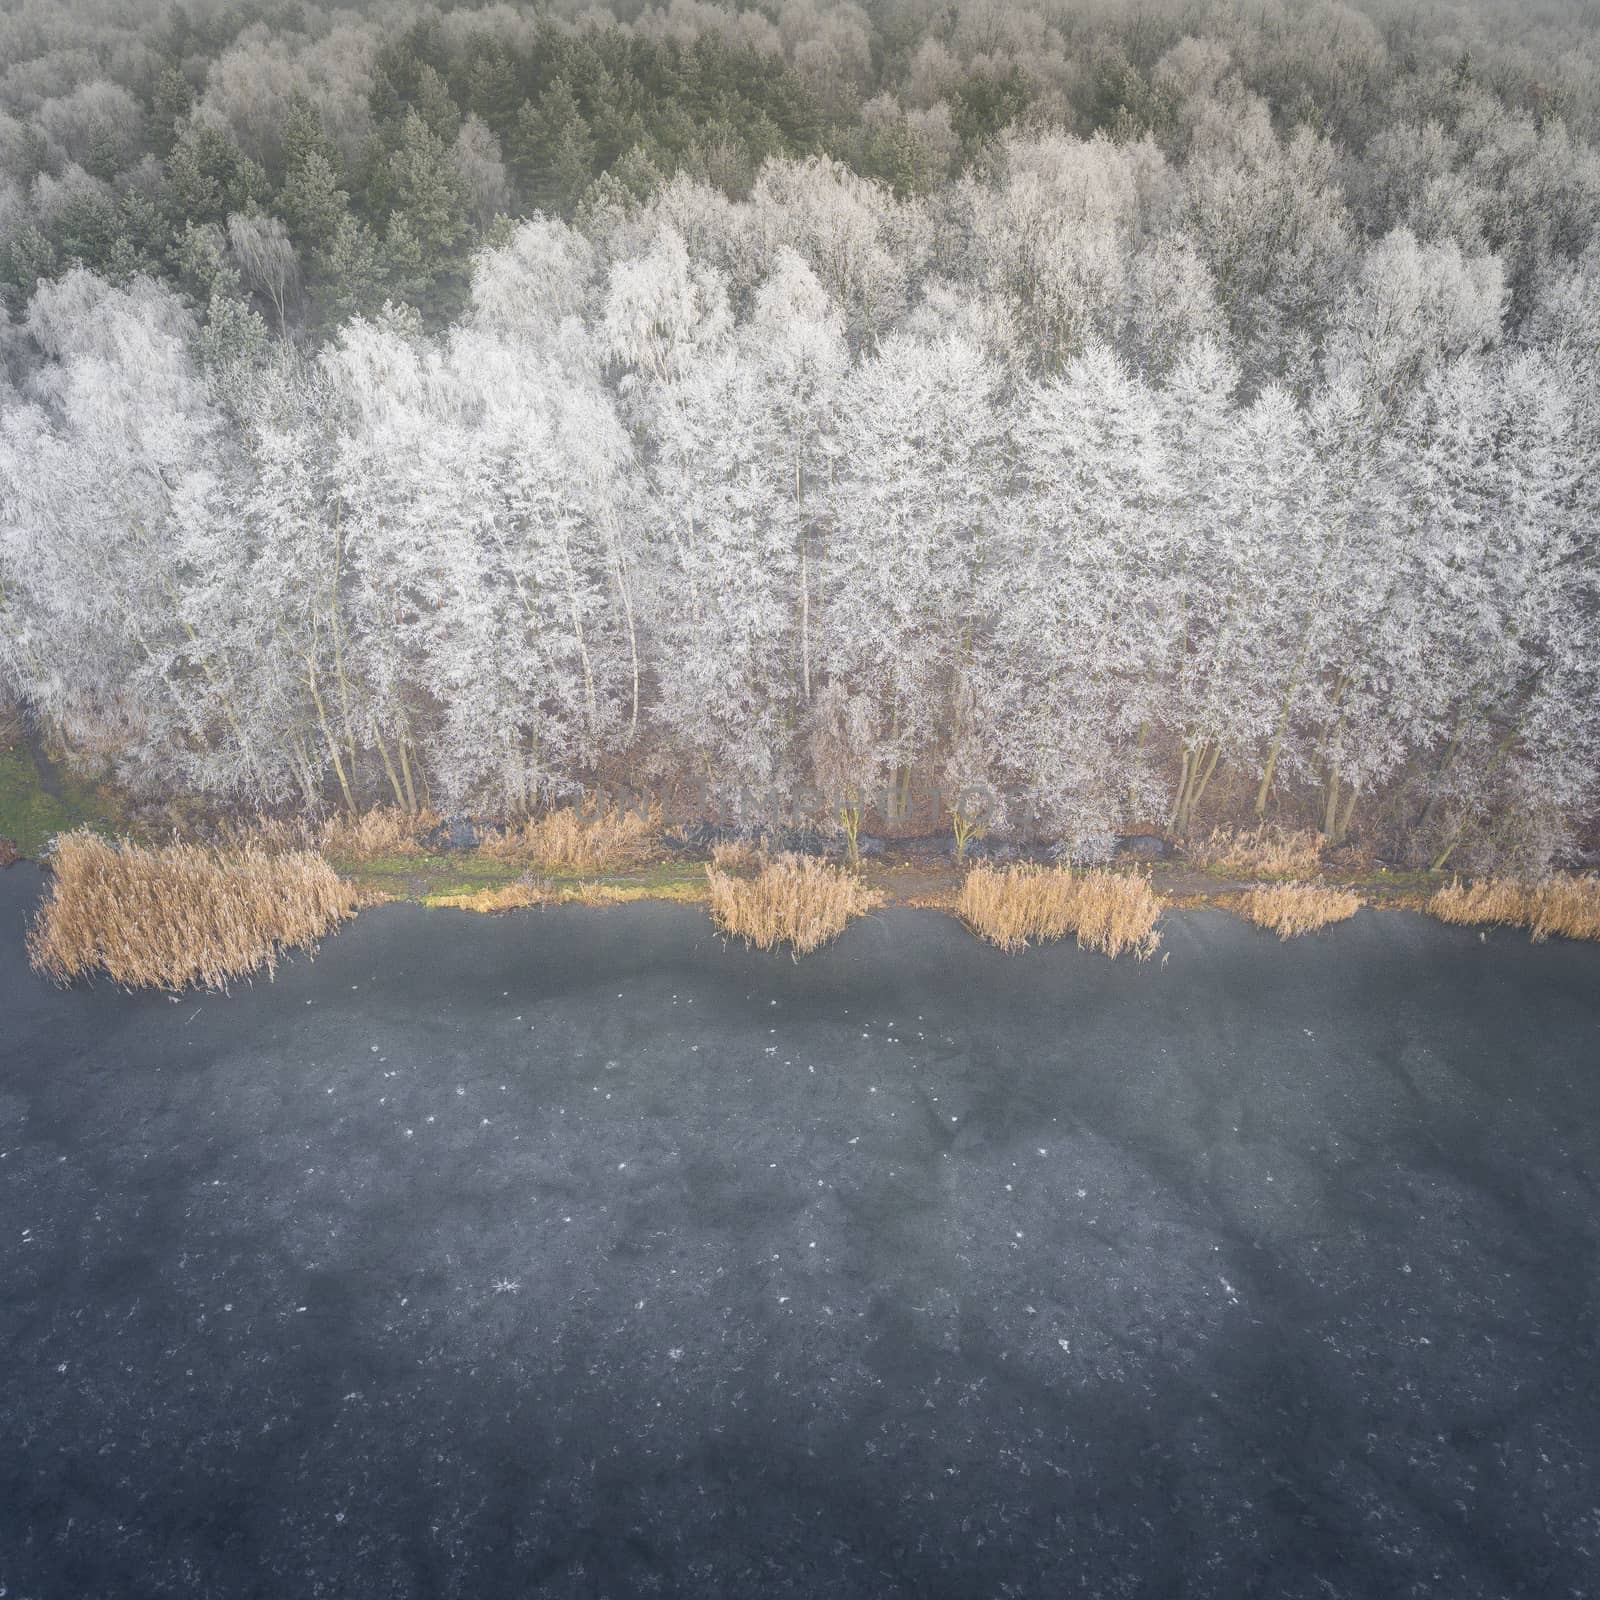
pixel 180 914
pixel 500 897
pixel 1567 904
pixel 1289 909
pixel 1017 906
pixel 1264 852
pixel 794 900
pixel 579 839
pixel 270 835
pixel 383 831
pixel 543 892
pixel 739 856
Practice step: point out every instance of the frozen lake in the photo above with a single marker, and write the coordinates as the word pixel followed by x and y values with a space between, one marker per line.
pixel 575 1254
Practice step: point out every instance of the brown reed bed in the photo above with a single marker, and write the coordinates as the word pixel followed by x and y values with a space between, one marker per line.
pixel 791 900
pixel 180 914
pixel 1290 909
pixel 497 897
pixel 1014 907
pixel 1566 904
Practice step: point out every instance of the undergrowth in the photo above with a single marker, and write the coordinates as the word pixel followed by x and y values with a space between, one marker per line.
pixel 579 839
pixel 741 857
pixel 381 833
pixel 1264 852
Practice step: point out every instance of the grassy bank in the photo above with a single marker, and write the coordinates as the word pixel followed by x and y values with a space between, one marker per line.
pixel 236 894
pixel 36 803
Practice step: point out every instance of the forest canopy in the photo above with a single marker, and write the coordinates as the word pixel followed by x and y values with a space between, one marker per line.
pixel 1103 417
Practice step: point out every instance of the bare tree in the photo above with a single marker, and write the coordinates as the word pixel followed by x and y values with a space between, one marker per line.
pixel 266 258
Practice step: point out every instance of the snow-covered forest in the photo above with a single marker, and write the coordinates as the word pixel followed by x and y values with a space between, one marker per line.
pixel 1093 418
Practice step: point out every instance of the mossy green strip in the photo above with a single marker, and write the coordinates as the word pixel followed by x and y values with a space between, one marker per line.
pixel 31 814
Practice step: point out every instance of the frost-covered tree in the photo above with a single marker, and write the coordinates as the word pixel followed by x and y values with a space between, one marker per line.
pixel 1411 308
pixel 479 481
pixel 1267 216
pixel 724 581
pixel 1056 235
pixel 1223 446
pixel 660 307
pixel 1483 464
pixel 901 584
pixel 1071 675
pixel 796 343
pixel 865 247
pixel 116 579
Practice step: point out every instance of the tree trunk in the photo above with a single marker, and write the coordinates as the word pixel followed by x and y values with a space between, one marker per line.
pixel 1446 761
pixel 805 587
pixel 338 639
pixel 1330 812
pixel 394 777
pixel 1280 732
pixel 303 770
pixel 1488 772
pixel 1181 793
pixel 328 738
pixel 1138 746
pixel 620 577
pixel 589 698
pixel 1203 782
pixel 1343 830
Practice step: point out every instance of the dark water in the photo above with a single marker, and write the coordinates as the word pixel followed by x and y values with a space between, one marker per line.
pixel 575 1254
